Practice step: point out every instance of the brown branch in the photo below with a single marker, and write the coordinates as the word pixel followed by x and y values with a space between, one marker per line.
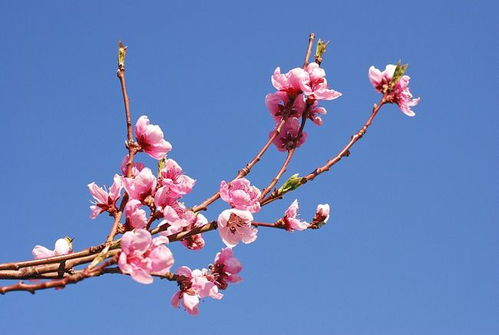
pixel 281 171
pixel 56 259
pixel 35 271
pixel 58 283
pixel 343 152
pixel 168 275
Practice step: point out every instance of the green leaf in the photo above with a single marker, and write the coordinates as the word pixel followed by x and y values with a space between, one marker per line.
pixel 121 55
pixel 161 164
pixel 398 73
pixel 320 49
pixel 291 184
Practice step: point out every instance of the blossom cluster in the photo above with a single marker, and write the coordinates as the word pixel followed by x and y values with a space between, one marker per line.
pixel 298 94
pixel 198 284
pixel 398 94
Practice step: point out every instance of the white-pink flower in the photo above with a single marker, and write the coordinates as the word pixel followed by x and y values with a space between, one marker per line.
pixel 290 220
pixel 141 254
pixel 140 186
pixel 399 94
pixel 226 269
pixel 63 246
pixel 287 138
pixel 240 194
pixel 151 139
pixel 194 285
pixel 234 225
pixel 104 200
pixel 321 216
pixel 177 217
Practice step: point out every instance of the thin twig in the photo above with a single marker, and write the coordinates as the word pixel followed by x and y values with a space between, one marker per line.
pixel 281 171
pixel 268 225
pixel 311 38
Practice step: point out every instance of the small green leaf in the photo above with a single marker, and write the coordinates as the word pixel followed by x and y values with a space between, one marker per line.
pixel 398 73
pixel 161 165
pixel 291 184
pixel 320 49
pixel 121 55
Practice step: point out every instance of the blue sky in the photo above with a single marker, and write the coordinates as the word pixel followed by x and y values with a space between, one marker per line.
pixel 412 244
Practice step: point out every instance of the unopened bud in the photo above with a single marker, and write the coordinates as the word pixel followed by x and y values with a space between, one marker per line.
pixel 321 216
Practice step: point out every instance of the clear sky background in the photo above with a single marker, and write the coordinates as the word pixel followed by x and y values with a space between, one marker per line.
pixel 412 245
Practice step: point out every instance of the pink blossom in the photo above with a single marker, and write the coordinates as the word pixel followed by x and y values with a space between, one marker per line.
pixel 177 217
pixel 150 138
pixel 63 246
pixel 173 184
pixel 136 167
pixel 234 225
pixel 240 194
pixel 176 183
pixel 164 198
pixel 311 82
pixel 313 113
pixel 290 220
pixel 399 94
pixel 278 105
pixel 104 200
pixel 286 140
pixel 140 186
pixel 141 254
pixel 293 82
pixel 226 268
pixel 317 88
pixel 194 285
pixel 136 216
pixel 194 242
